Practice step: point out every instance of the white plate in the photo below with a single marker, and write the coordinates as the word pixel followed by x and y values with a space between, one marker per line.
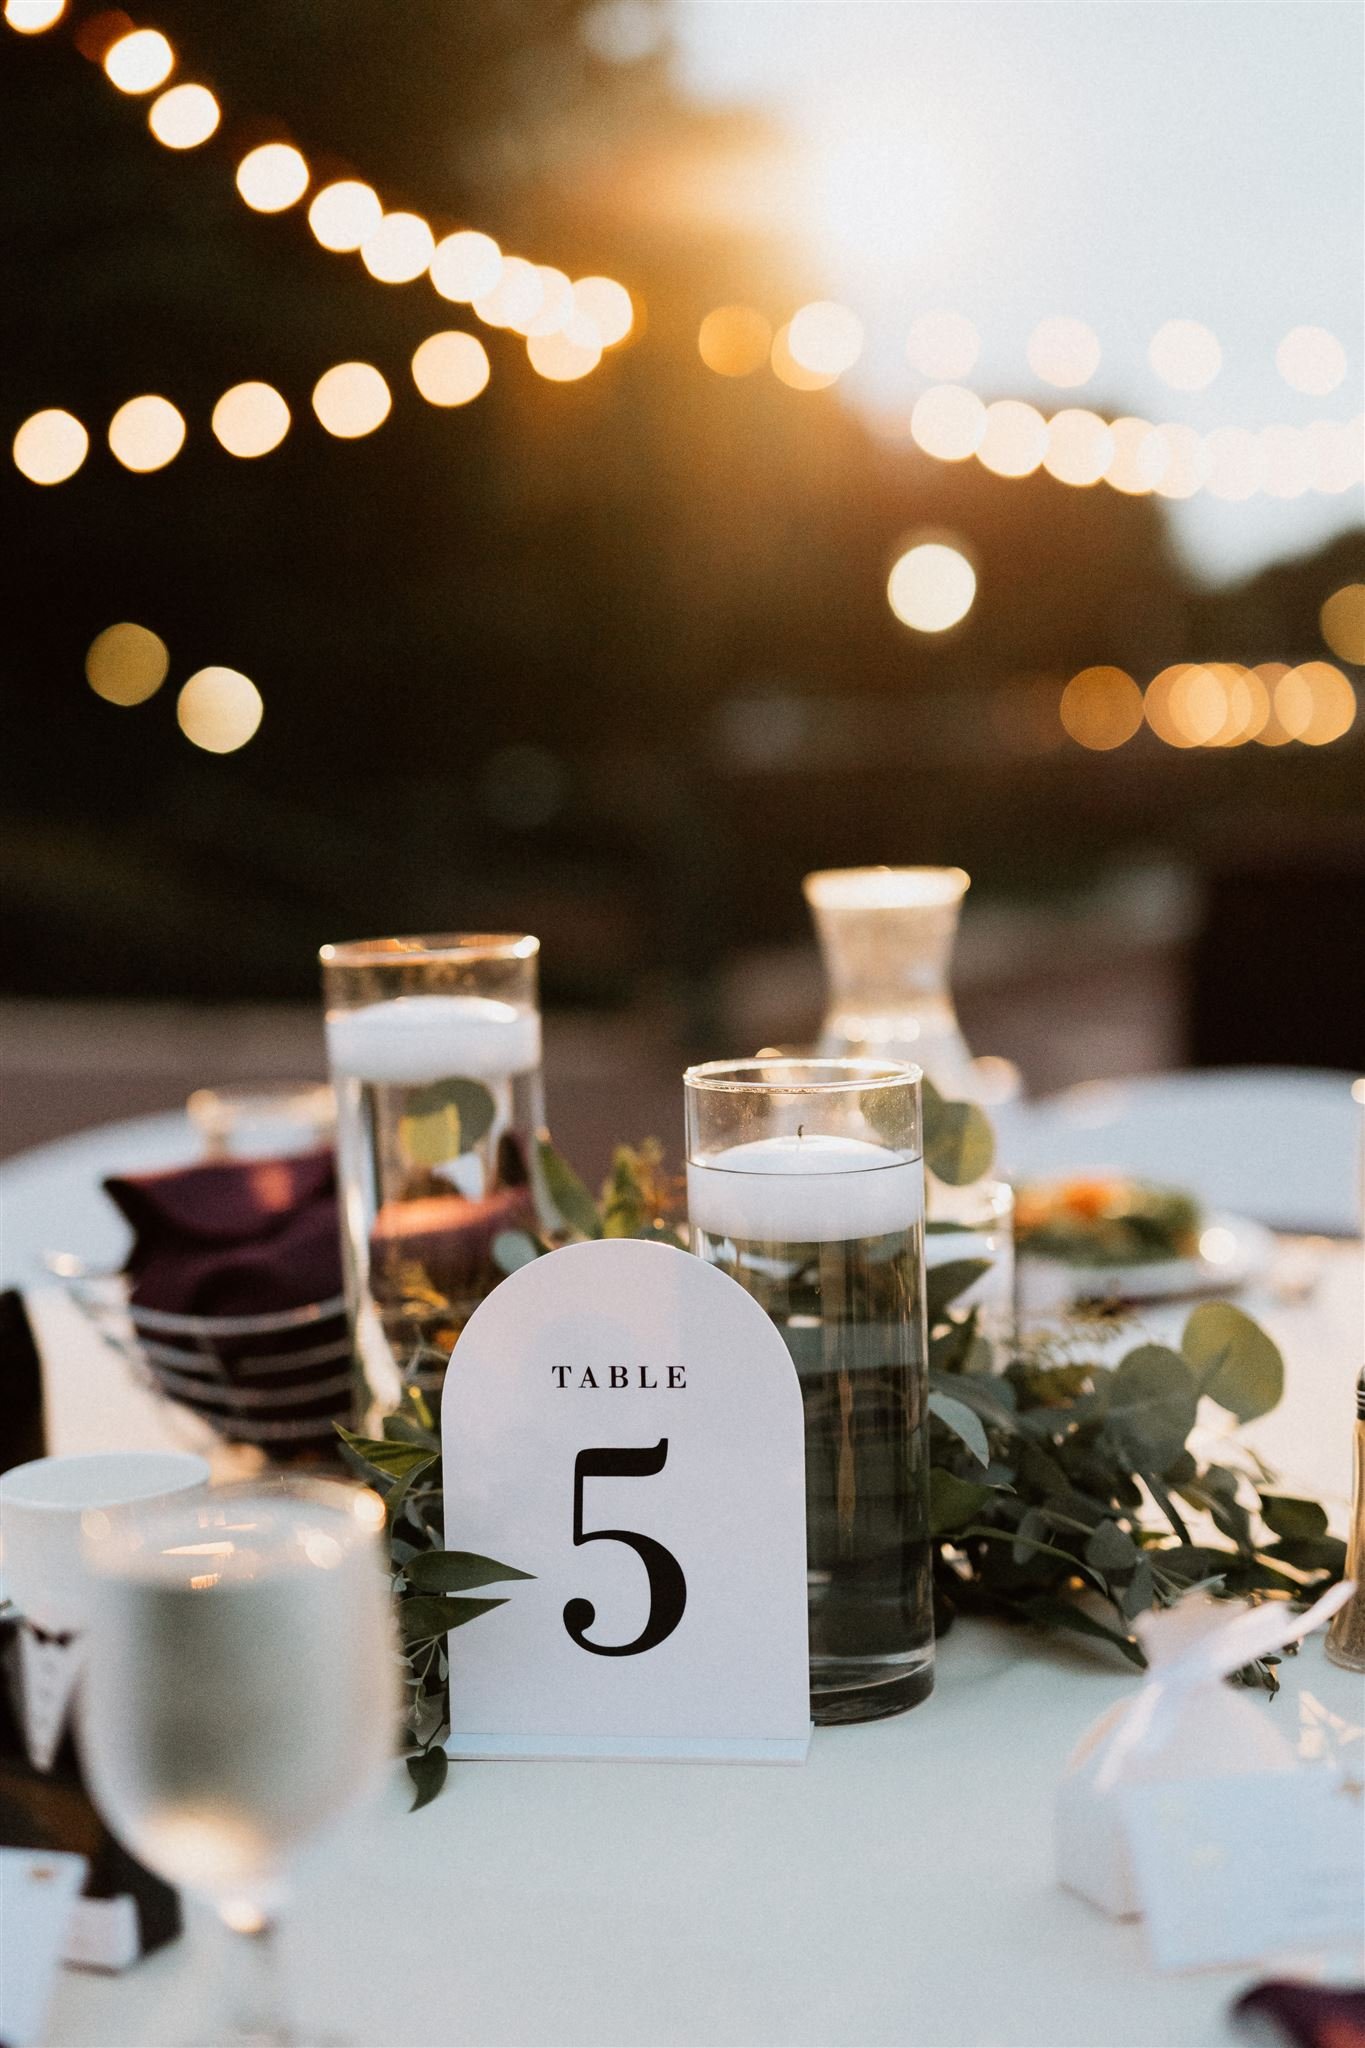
pixel 1232 1250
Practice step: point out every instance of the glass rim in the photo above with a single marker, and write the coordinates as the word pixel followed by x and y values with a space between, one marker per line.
pixel 902 888
pixel 836 1076
pixel 429 949
pixel 114 1550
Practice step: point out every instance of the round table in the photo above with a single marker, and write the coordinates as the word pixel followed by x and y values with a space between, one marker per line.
pixel 897 1888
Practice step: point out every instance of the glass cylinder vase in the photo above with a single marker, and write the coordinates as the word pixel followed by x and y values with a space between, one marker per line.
pixel 434 1048
pixel 805 1184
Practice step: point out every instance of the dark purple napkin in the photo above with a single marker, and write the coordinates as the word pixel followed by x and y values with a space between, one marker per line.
pixel 1305 2015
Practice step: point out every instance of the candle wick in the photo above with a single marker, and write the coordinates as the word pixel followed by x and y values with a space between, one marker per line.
pixel 800 1130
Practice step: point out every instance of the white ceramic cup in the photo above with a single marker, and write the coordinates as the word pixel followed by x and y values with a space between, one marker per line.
pixel 41 1506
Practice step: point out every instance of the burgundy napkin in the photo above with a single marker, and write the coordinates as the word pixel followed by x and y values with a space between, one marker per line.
pixel 1305 2015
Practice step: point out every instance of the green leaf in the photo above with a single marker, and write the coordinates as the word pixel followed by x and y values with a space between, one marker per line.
pixel 953 1501
pixel 1152 1403
pixel 1238 1365
pixel 1111 1549
pixel 391 1459
pixel 513 1249
pixel 1293 1518
pixel 455 1571
pixel 426 1619
pixel 568 1196
pixel 1310 1554
pixel 959 1144
pixel 1051 1612
pixel 943 1284
pixel 444 1120
pixel 428 1774
pixel 964 1423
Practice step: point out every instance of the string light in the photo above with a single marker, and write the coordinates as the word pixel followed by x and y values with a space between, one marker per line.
pixel 1101 708
pixel 931 587
pixel 793 374
pixel 466 266
pixel 556 304
pixel 1315 703
pixel 126 664
pixel 1342 620
pixel 139 62
pixel 1217 704
pixel 566 355
pixel 219 709
pixel 50 446
pixel 607 305
pixel 1139 458
pixel 1185 354
pixel 734 341
pixel 184 117
pixel 351 399
pixel 1064 352
pixel 272 177
pixel 948 422
pixel 1312 360
pixel 825 338
pixel 345 214
pixel 147 433
pixel 1079 448
pixel 399 249
pixel 450 368
pixel 33 17
pixel 251 419
pixel 1014 440
pixel 515 298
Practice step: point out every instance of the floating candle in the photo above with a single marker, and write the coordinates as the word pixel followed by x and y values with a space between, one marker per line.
pixel 417 1039
pixel 807 1190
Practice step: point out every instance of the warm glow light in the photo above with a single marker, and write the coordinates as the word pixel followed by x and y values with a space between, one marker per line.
pixel 1286 469
pixel 1139 457
pixel 825 338
pixel 1015 438
pixel 1243 709
pixel 1186 705
pixel 184 117
pixel 351 399
pixel 516 296
pixel 1184 462
pixel 1101 708
pixel 1342 620
pixel 466 266
pixel 1272 732
pixel 1311 360
pixel 607 305
pixel 218 709
pixel 734 341
pixel 943 346
pixel 251 419
pixel 146 433
pixel 345 214
pixel 450 368
pixel 126 664
pixel 1315 703
pixel 399 249
pixel 1064 352
pixel 788 371
pixel 1080 447
pixel 139 62
pixel 1335 452
pixel 1185 355
pixel 50 446
pixel 931 587
pixel 556 306
pixel 272 177
pixel 1236 463
pixel 565 356
pixel 31 17
pixel 948 422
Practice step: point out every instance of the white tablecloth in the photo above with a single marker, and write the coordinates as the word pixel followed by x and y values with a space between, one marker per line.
pixel 896 1889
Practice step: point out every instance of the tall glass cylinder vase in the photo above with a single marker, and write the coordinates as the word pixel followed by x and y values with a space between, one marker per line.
pixel 805 1184
pixel 434 1047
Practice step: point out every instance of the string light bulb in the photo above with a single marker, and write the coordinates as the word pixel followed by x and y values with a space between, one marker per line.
pixel 184 117
pixel 50 446
pixel 140 61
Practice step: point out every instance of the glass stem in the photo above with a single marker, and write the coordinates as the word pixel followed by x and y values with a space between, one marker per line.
pixel 259 2017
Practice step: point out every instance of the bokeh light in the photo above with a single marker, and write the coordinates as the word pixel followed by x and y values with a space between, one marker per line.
pixel 219 709
pixel 1315 703
pixel 1101 708
pixel 1139 456
pixel 788 371
pixel 140 61
pixel 568 354
pixel 1342 619
pixel 351 399
pixel 607 305
pixel 1186 704
pixel 1185 354
pixel 1336 454
pixel 1064 352
pixel 1079 448
pixel 184 117
pixel 734 341
pixel 147 433
pixel 931 587
pixel 32 17
pixel 1286 466
pixel 345 214
pixel 399 249
pixel 948 422
pixel 1236 464
pixel 272 177
pixel 1015 438
pixel 251 419
pixel 1246 704
pixel 1311 359
pixel 1184 462
pixel 515 298
pixel 943 346
pixel 1271 733
pixel 465 266
pixel 825 338
pixel 450 368
pixel 556 306
pixel 50 446
pixel 126 664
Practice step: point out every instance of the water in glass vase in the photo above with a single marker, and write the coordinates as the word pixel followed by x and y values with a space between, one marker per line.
pixel 438 1106
pixel 850 1309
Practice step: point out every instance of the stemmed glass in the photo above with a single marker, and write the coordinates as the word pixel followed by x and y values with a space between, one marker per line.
pixel 240 1693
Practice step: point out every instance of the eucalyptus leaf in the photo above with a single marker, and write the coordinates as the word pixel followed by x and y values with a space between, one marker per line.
pixel 943 1284
pixel 1293 1518
pixel 1152 1403
pixel 964 1423
pixel 959 1144
pixel 1052 1612
pixel 428 1774
pixel 1111 1549
pixel 953 1502
pixel 424 1619
pixel 455 1571
pixel 1237 1364
pixel 513 1249
pixel 444 1120
pixel 570 1199
pixel 394 1460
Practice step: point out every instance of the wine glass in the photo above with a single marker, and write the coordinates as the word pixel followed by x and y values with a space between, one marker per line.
pixel 241 1692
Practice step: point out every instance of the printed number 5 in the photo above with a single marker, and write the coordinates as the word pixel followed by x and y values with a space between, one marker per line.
pixel 667 1586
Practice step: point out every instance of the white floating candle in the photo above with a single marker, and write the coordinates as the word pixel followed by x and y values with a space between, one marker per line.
pixel 416 1039
pixel 816 1190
